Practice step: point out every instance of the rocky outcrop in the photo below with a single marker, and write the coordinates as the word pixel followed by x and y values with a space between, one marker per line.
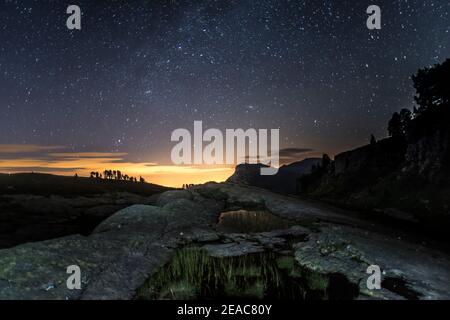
pixel 115 259
pixel 320 245
pixel 350 251
pixel 380 158
pixel 26 218
pixel 36 207
pixel 398 179
pixel 168 197
pixel 428 156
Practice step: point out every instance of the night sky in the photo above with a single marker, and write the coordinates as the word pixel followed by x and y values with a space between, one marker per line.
pixel 114 91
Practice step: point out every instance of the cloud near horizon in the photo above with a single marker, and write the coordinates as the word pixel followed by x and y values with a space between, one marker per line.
pixel 295 154
pixel 26 148
pixel 289 155
pixel 73 155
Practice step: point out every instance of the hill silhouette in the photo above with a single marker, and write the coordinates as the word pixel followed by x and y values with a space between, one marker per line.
pixel 285 181
pixel 48 184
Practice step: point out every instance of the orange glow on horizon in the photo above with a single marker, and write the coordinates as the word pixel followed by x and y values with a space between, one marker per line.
pixel 166 175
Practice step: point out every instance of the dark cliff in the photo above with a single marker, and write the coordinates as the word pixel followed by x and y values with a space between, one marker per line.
pixel 406 176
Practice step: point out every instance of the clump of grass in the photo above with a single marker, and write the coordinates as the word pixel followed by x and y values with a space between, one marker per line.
pixel 243 221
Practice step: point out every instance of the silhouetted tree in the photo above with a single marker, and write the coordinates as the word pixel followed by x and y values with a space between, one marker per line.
pixel 432 86
pixel 394 125
pixel 107 174
pixel 405 120
pixel 373 141
pixel 117 175
pixel 326 161
pixel 399 124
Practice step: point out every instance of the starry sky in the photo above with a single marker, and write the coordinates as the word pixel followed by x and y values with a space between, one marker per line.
pixel 110 94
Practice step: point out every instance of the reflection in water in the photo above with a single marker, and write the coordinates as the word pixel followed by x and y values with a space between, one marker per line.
pixel 193 274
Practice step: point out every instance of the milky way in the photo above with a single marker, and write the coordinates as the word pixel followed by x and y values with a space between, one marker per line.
pixel 137 70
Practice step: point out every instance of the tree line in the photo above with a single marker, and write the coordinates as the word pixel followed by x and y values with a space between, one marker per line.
pixel 115 175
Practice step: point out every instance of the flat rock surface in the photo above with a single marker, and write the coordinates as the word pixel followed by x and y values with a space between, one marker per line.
pixel 134 243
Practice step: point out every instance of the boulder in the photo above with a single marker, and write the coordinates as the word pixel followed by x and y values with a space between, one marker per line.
pixel 169 196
